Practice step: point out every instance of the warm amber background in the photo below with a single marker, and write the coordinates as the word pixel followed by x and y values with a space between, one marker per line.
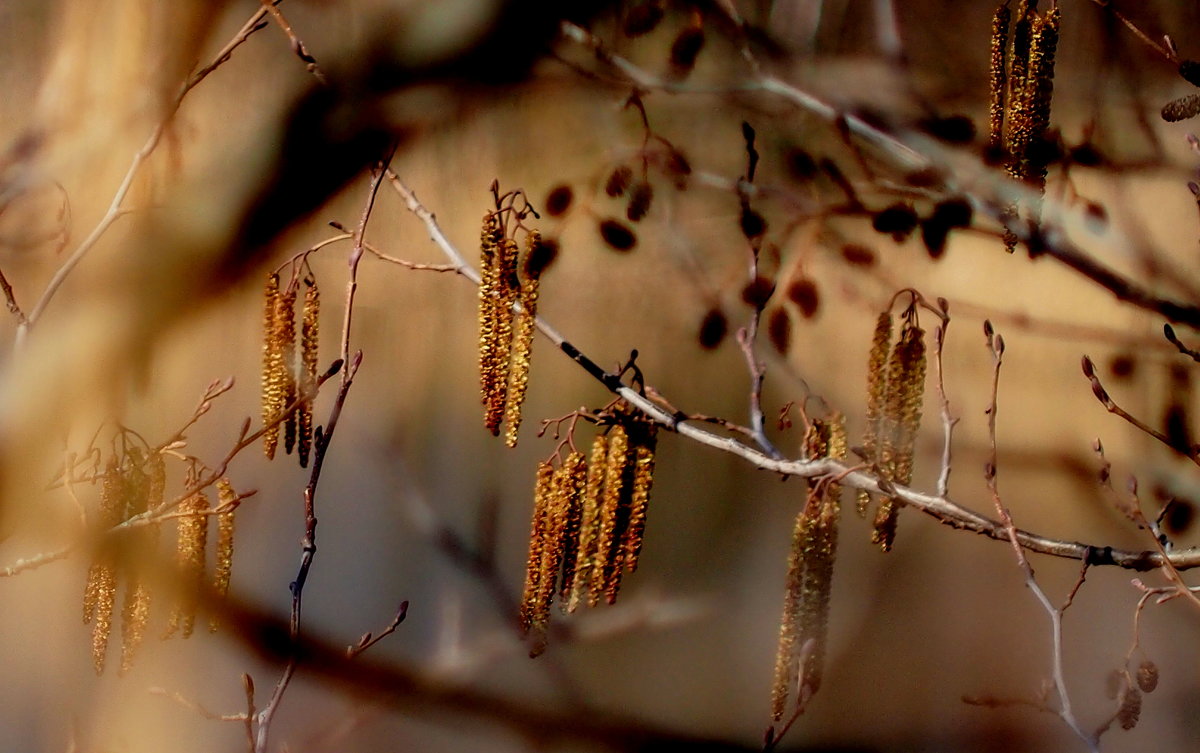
pixel 944 615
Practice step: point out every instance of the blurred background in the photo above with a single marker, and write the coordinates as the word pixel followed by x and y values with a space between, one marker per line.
pixel 260 157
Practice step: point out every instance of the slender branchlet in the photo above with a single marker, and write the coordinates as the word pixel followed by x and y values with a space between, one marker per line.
pixel 614 515
pixel 309 337
pixel 286 323
pixel 272 361
pixel 227 501
pixel 902 418
pixel 190 547
pixel 522 345
pixel 542 491
pixel 589 525
pixel 877 383
pixel 573 484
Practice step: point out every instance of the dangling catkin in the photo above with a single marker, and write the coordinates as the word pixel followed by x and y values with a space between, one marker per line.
pixel 574 483
pixel 522 346
pixel 507 290
pixel 998 76
pixel 489 245
pixel 645 442
pixel 542 491
pixel 877 384
pixel 906 387
pixel 309 336
pixel 589 526
pixel 192 531
pixel 553 547
pixel 135 612
pixel 227 501
pixel 614 516
pixel 286 323
pixel 272 358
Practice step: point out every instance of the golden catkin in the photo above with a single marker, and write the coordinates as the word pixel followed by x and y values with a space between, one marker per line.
pixel 100 593
pixel 309 337
pixel 135 611
pixel 192 531
pixel 574 484
pixel 272 357
pixel 589 526
pixel 542 491
pixel 286 323
pixel 522 348
pixel 998 77
pixel 135 615
pixel 1038 93
pixel 877 383
pixel 614 515
pixel 906 387
pixel 489 245
pixel 639 499
pixel 156 487
pixel 227 501
pixel 553 548
pixel 507 290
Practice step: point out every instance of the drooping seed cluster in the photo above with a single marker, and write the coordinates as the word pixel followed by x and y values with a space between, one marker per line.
pixel 589 518
pixel 895 394
pixel 804 625
pixel 1022 85
pixel 506 336
pixel 133 483
pixel 289 380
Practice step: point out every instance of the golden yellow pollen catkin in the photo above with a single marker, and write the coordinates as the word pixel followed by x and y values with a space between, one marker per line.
pixel 573 485
pixel 489 245
pixel 877 384
pixel 111 492
pixel 105 600
pixel 135 611
pixel 998 75
pixel 507 290
pixel 542 492
pixel 644 445
pixel 614 516
pixel 135 615
pixel 309 336
pixel 553 549
pixel 522 349
pixel 906 387
pixel 192 531
pixel 227 502
pixel 286 323
pixel 590 526
pixel 272 357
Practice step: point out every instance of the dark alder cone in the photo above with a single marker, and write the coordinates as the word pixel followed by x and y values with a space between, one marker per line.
pixel 952 213
pixel 752 223
pixel 779 330
pixel 804 293
pixel 686 48
pixel 558 201
pixel 954 129
pixel 713 329
pixel 758 291
pixel 899 219
pixel 1182 108
pixel 618 181
pixel 639 201
pixel 801 165
pixel 616 235
pixel 934 235
pixel 859 256
pixel 1085 155
pixel 1190 70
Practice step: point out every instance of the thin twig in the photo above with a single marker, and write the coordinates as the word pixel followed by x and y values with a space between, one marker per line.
pixel 310 63
pixel 368 640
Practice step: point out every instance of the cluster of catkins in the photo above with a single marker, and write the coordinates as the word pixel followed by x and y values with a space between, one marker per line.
pixel 588 520
pixel 506 338
pixel 1021 84
pixel 289 379
pixel 132 485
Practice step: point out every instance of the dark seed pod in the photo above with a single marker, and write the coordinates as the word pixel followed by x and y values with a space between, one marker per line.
pixel 955 129
pixel 642 19
pixel 685 49
pixel 752 223
pixel 558 201
pixel 758 291
pixel 1181 109
pixel 859 256
pixel 618 181
pixel 1131 709
pixel 713 329
pixel 953 213
pixel 539 258
pixel 934 235
pixel 617 235
pixel 639 201
pixel 804 293
pixel 1147 676
pixel 1190 71
pixel 678 164
pixel 801 165
pixel 899 219
pixel 1085 155
pixel 779 330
